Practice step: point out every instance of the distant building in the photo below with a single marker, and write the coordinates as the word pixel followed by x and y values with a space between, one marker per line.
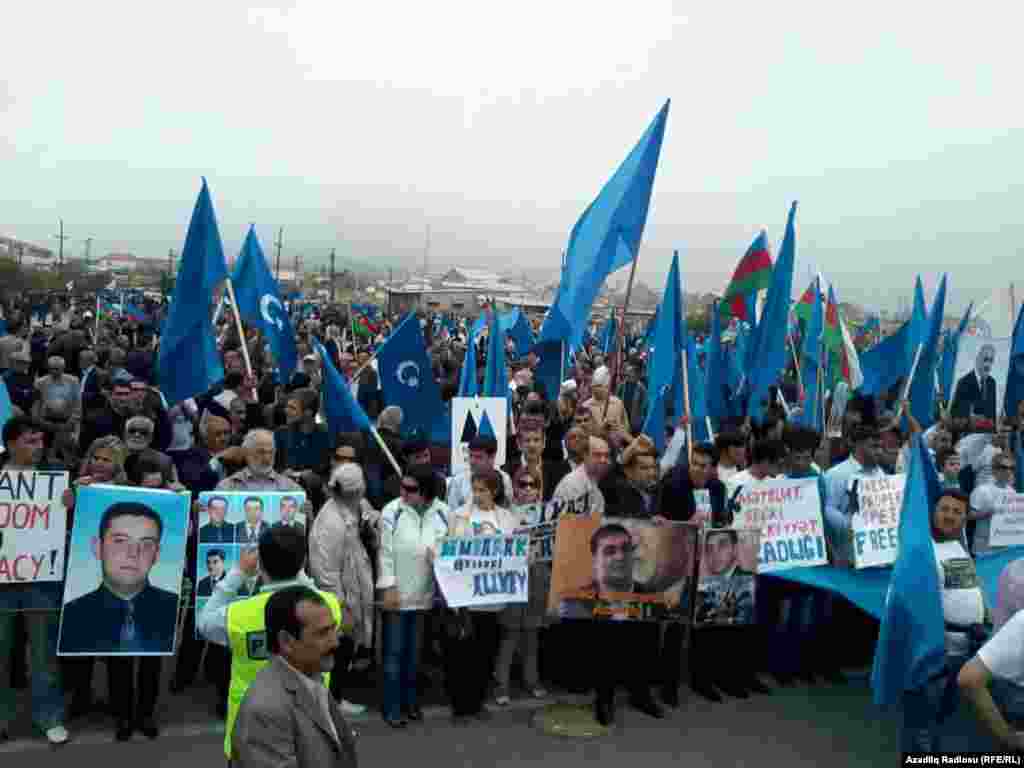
pixel 25 253
pixel 128 262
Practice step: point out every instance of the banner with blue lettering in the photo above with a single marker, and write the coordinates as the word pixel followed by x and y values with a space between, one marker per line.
pixel 875 524
pixel 33 526
pixel 483 570
pixel 788 512
pixel 535 523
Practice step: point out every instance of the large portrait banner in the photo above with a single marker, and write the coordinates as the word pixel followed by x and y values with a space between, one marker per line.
pixel 726 588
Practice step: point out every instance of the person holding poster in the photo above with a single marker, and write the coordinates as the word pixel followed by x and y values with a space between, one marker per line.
pixel 731 600
pixel 989 499
pixel 40 601
pixel 471 640
pixel 975 393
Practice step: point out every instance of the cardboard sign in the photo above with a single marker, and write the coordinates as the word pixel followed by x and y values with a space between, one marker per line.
pixel 477 417
pixel 623 570
pixel 875 525
pixel 788 512
pixel 535 523
pixel 726 585
pixel 33 526
pixel 483 570
pixel 1007 527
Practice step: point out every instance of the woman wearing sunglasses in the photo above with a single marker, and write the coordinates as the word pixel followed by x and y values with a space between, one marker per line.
pixel 410 529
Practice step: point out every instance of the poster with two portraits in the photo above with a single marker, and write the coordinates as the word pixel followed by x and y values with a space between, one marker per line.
pixel 623 569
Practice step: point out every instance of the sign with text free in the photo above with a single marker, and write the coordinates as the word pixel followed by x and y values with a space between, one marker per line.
pixel 875 525
pixel 483 570
pixel 33 526
pixel 788 512
pixel 1007 527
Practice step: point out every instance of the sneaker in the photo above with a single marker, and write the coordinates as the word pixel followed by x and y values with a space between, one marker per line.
pixel 57 735
pixel 348 708
pixel 539 693
pixel 503 701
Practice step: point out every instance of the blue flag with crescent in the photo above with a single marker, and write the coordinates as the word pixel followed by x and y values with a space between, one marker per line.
pixel 407 378
pixel 260 303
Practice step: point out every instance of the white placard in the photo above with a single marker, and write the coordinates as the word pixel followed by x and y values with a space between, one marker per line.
pixel 483 570
pixel 788 512
pixel 1007 527
pixel 473 416
pixel 875 526
pixel 33 526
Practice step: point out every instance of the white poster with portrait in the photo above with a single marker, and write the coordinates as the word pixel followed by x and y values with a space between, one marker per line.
pixel 477 417
pixel 969 355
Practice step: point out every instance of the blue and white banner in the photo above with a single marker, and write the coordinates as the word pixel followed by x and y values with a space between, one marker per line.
pixel 483 570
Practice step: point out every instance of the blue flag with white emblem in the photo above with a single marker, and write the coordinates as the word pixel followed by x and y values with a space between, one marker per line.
pixel 407 378
pixel 260 303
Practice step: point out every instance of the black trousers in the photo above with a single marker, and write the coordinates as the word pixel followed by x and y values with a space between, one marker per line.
pixel 342 661
pixel 564 655
pixel 469 663
pixel 625 654
pixel 671 657
pixel 129 701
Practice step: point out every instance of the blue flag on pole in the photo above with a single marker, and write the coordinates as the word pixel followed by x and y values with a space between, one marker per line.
pixel 188 360
pixel 407 378
pixel 810 361
pixel 467 377
pixel 259 302
pixel 922 388
pixel 342 411
pixel 715 374
pixel 912 644
pixel 606 237
pixel 496 372
pixel 950 349
pixel 1014 392
pixel 770 355
pixel 665 365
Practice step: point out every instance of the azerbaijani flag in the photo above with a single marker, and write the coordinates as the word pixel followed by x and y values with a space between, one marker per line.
pixel 364 320
pixel 839 346
pixel 804 307
pixel 753 274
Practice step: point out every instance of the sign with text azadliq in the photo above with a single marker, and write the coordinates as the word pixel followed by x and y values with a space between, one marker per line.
pixel 788 512
pixel 33 526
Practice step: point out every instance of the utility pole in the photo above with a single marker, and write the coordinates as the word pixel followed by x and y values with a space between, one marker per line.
pixel 60 251
pixel 332 275
pixel 426 254
pixel 88 248
pixel 298 270
pixel 279 243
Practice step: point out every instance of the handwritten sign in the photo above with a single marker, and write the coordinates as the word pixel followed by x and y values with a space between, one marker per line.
pixel 788 512
pixel 875 525
pixel 541 530
pixel 33 526
pixel 483 570
pixel 1008 520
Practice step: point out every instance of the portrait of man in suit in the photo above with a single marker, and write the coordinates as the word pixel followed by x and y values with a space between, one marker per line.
pixel 125 614
pixel 249 530
pixel 215 571
pixel 975 392
pixel 217 530
pixel 289 512
pixel 725 594
pixel 612 549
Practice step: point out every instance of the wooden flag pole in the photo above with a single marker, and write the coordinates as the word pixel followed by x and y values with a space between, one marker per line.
pixel 686 408
pixel 238 325
pixel 387 452
pixel 910 380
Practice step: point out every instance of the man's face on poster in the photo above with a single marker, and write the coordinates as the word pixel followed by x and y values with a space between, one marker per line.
pixel 720 550
pixel 253 512
pixel 127 552
pixel 288 509
pixel 215 566
pixel 986 359
pixel 613 563
pixel 217 510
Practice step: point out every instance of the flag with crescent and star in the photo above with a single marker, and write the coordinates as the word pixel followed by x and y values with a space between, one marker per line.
pixel 259 302
pixel 407 378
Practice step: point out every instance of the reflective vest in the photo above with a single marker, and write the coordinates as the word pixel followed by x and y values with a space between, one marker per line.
pixel 250 652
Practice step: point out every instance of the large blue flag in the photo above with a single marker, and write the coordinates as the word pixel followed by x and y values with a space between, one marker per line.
pixel 715 374
pixel 407 378
pixel 918 323
pixel 665 364
pixel 259 302
pixel 1014 392
pixel 552 366
pixel 884 364
pixel 950 349
pixel 922 388
pixel 770 356
pixel 6 409
pixel 912 644
pixel 698 399
pixel 520 331
pixel 188 360
pixel 496 371
pixel 810 362
pixel 606 237
pixel 467 377
pixel 342 411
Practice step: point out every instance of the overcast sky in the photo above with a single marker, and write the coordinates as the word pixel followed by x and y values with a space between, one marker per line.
pixel 898 126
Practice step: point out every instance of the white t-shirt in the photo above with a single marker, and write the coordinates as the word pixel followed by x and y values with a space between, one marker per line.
pixel 962 599
pixel 1003 654
pixel 986 499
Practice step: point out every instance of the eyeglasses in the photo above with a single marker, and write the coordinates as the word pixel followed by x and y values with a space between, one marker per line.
pixel 410 488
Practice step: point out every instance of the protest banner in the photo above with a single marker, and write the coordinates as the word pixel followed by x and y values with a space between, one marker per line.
pixel 125 542
pixel 483 570
pixel 968 354
pixel 788 512
pixel 1007 526
pixel 33 526
pixel 623 569
pixel 477 417
pixel 726 584
pixel 533 520
pixel 875 524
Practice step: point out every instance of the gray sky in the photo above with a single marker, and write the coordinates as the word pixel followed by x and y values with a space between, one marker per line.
pixel 898 126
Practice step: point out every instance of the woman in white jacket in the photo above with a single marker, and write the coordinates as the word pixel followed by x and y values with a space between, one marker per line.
pixel 411 528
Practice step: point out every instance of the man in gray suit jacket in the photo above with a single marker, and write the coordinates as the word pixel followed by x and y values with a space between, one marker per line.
pixel 287 717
